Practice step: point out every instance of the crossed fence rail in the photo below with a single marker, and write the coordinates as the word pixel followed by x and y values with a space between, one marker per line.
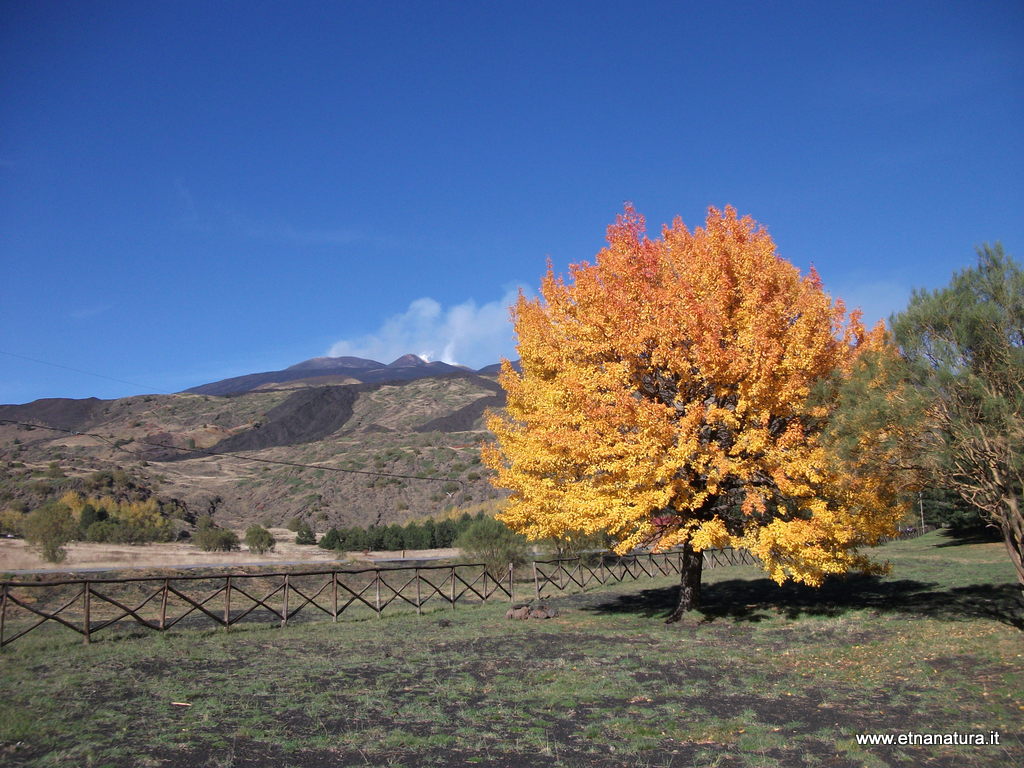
pixel 564 573
pixel 87 606
pixel 159 603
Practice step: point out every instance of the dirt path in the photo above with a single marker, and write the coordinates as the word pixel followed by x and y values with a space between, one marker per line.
pixel 16 555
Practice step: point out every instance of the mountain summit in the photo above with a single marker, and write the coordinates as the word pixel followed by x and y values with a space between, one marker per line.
pixel 316 371
pixel 406 361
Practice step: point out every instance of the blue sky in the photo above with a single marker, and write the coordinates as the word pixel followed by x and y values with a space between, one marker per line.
pixel 195 190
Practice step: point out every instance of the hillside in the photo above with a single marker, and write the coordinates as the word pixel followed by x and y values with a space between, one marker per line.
pixel 427 426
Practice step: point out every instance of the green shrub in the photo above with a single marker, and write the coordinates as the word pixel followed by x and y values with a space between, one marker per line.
pixel 212 538
pixel 331 539
pixel 394 538
pixel 115 531
pixel 259 540
pixel 353 540
pixel 293 524
pixel 48 529
pixel 491 542
pixel 11 521
pixel 89 516
pixel 589 547
pixel 416 536
pixel 430 533
pixel 305 535
pixel 445 534
pixel 102 531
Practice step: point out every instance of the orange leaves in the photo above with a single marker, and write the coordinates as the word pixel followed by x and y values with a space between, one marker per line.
pixel 673 377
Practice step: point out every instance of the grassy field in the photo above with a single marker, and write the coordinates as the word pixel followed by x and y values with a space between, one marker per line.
pixel 763 676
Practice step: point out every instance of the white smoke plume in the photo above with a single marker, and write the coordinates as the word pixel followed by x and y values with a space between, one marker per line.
pixel 464 334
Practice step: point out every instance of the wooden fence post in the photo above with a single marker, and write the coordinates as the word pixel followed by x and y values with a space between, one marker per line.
pixel 284 615
pixel 163 605
pixel 453 587
pixel 86 597
pixel 334 596
pixel 376 583
pixel 511 587
pixel 227 602
pixel 3 616
pixel 419 604
pixel 536 581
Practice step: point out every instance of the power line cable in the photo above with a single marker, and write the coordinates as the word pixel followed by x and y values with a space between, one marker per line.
pixel 146 388
pixel 203 452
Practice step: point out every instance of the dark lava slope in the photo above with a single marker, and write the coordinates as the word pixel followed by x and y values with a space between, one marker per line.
pixel 313 414
pixel 61 412
pixel 305 417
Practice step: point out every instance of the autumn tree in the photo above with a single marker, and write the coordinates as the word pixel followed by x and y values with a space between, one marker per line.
pixel 673 394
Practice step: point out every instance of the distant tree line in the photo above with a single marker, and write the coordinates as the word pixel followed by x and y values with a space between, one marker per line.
pixel 429 534
pixel 75 517
pixel 482 539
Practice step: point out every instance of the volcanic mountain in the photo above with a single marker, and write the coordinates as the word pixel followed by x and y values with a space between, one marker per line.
pixel 334 440
pixel 349 370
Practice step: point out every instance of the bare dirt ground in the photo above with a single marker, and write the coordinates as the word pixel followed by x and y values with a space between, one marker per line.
pixel 16 555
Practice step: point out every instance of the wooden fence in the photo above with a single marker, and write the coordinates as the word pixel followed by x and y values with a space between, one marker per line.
pixel 565 573
pixel 88 606
pixel 569 573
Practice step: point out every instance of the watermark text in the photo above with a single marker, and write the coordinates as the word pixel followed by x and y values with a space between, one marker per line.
pixel 912 738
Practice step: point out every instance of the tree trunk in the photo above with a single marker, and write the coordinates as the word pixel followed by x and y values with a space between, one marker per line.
pixel 1011 524
pixel 689 582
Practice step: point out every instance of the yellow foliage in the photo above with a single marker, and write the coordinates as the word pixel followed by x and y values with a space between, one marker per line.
pixel 74 502
pixel 666 396
pixel 142 514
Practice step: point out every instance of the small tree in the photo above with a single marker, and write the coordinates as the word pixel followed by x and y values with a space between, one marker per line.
pixel 11 522
pixel 331 539
pixel 88 516
pixel 212 538
pixel 48 529
pixel 951 403
pixel 492 543
pixel 259 540
pixel 587 546
pixel 417 536
pixel 304 534
pixel 352 539
pixel 430 533
pixel 394 538
pixel 445 534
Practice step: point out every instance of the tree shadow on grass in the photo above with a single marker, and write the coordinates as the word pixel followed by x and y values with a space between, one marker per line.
pixel 756 600
pixel 955 537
